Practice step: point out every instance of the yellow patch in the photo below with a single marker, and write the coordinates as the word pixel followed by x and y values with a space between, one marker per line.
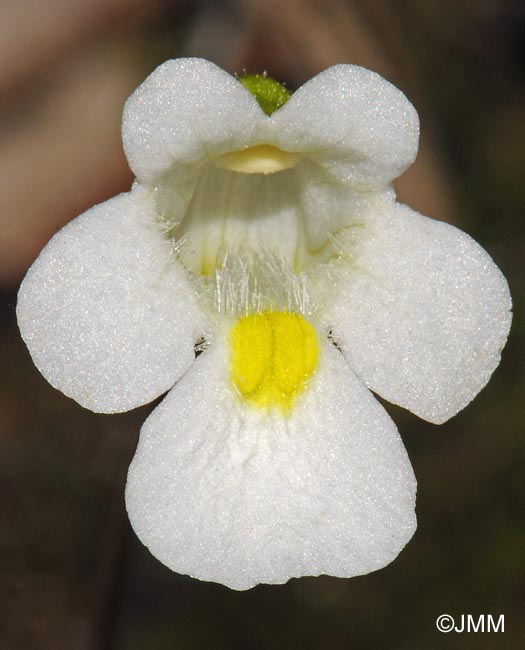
pixel 273 355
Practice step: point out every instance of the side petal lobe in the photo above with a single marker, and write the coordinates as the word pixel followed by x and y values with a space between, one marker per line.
pixel 421 312
pixel 105 310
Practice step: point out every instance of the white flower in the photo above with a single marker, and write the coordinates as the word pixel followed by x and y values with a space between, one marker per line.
pixel 275 243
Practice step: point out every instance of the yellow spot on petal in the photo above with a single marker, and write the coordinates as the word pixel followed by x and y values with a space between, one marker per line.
pixel 273 355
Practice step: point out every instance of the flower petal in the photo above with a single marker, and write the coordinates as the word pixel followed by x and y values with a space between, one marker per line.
pixel 352 122
pixel 422 312
pixel 232 494
pixel 186 110
pixel 107 314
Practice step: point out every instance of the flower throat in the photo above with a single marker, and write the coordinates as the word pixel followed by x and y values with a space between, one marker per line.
pixel 241 201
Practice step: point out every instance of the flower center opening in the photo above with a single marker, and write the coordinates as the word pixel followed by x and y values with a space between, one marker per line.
pixel 273 355
pixel 258 200
pixel 260 159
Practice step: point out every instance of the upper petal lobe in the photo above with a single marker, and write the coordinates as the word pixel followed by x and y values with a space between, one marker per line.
pixel 185 112
pixel 355 124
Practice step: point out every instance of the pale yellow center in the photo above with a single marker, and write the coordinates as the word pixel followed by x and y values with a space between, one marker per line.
pixel 261 159
pixel 273 355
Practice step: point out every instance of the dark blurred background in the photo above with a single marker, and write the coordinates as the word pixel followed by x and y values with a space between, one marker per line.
pixel 72 573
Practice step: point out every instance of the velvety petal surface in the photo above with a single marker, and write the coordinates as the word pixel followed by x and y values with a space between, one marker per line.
pixel 356 125
pixel 106 312
pixel 186 112
pixel 421 311
pixel 229 493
